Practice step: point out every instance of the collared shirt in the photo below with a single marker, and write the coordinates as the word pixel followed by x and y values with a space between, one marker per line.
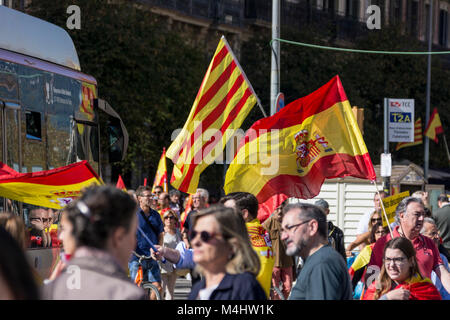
pixel 142 245
pixel 427 254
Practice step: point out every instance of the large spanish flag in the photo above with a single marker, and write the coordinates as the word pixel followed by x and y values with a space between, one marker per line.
pixel 223 102
pixel 291 153
pixel 161 174
pixel 417 136
pixel 434 126
pixel 51 188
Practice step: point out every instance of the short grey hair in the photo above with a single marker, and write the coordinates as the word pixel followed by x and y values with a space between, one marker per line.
pixel 174 192
pixel 401 207
pixel 203 193
pixel 427 220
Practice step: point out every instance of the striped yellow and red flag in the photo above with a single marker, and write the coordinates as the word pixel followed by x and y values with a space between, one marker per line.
pixel 291 153
pixel 161 173
pixel 434 126
pixel 223 102
pixel 417 136
pixel 51 188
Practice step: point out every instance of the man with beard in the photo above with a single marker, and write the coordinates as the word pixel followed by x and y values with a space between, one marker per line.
pixel 324 275
pixel 410 214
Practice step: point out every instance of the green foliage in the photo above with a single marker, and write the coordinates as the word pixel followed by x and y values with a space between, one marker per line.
pixel 367 79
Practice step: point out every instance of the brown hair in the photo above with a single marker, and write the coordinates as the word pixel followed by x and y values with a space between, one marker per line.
pixel 15 226
pixel 405 246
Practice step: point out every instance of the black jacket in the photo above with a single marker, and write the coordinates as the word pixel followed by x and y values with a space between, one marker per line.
pixel 336 239
pixel 243 286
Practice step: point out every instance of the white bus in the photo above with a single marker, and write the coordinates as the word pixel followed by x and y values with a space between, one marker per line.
pixel 49 109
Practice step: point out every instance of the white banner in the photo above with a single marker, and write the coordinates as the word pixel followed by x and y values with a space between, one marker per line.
pixel 401 120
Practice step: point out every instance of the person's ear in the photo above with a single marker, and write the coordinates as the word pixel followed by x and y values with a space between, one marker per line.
pixel 117 236
pixel 245 214
pixel 313 227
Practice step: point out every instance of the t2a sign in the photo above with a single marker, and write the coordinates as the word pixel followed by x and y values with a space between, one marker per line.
pixel 401 120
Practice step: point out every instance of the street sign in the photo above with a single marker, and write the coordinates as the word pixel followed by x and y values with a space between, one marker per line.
pixel 280 101
pixel 386 165
pixel 401 120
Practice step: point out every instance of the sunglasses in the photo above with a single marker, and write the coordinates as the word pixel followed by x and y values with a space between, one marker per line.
pixel 205 236
pixel 377 220
pixel 171 218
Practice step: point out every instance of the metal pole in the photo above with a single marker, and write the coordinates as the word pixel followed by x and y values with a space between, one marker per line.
pixel 275 66
pixel 386 180
pixel 427 110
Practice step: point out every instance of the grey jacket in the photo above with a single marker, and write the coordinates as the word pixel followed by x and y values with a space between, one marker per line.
pixel 92 275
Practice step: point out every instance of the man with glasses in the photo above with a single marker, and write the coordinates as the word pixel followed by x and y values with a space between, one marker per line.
pixel 38 221
pixel 149 221
pixel 324 275
pixel 431 231
pixel 410 215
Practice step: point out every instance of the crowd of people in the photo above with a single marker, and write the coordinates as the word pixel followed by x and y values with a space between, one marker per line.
pixel 224 250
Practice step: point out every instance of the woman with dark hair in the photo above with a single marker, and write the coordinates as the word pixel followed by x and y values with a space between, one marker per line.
pixel 104 227
pixel 359 265
pixel 400 278
pixel 16 276
pixel 224 256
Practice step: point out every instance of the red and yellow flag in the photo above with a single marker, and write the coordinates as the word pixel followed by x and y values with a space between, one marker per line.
pixel 52 188
pixel 417 136
pixel 223 102
pixel 291 153
pixel 120 184
pixel 434 126
pixel 161 173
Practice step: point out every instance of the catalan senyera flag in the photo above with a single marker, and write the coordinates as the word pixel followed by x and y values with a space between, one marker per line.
pixel 223 102
pixel 291 153
pixel 51 188
pixel 161 173
pixel 417 136
pixel 434 126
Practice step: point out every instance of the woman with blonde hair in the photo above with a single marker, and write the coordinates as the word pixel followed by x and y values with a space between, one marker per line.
pixel 400 277
pixel 224 256
pixel 364 238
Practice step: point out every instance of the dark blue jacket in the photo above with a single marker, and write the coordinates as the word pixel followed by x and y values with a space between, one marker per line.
pixel 243 286
pixel 142 245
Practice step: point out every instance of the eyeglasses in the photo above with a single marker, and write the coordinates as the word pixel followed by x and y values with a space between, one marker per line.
pixel 288 229
pixel 380 232
pixel 205 236
pixel 171 218
pixel 397 261
pixel 376 220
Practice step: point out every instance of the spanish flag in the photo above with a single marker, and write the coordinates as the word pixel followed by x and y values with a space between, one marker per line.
pixel 223 102
pixel 291 153
pixel 417 136
pixel 434 126
pixel 161 173
pixel 51 188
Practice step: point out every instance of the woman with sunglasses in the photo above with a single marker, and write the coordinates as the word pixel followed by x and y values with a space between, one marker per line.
pixel 172 237
pixel 400 278
pixel 364 238
pixel 224 256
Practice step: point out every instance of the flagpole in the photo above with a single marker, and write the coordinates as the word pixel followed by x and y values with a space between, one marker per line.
pixel 275 62
pixel 427 110
pixel 384 210
pixel 446 148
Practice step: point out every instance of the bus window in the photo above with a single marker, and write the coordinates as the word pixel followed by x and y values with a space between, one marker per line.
pixel 8 81
pixel 33 125
pixel 115 137
pixel 11 135
pixel 87 144
pixel 63 97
